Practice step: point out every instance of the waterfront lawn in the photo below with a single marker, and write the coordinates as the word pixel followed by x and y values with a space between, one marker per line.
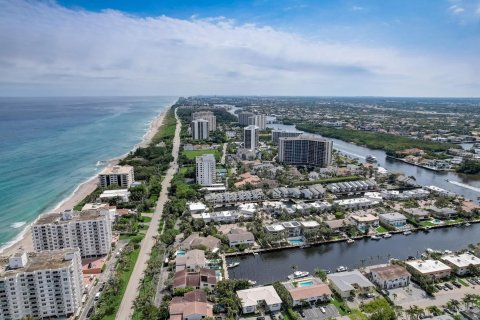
pixel 191 154
pixel 381 229
pixel 427 224
pixel 458 220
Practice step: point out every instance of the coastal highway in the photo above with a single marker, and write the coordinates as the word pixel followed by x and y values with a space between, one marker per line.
pixel 125 311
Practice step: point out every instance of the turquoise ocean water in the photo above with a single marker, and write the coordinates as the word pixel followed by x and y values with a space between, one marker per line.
pixel 49 146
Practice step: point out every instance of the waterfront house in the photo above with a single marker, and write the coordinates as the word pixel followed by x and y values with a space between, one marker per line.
pixel 195 240
pixel 238 237
pixel 191 261
pixel 338 225
pixel 275 229
pixel 203 278
pixel 417 193
pixel 253 297
pixel 439 191
pixel 349 283
pixel 309 225
pixel 431 268
pixel 417 214
pixel 390 276
pixel 309 290
pixel 393 219
pixel 364 221
pixel 192 306
pixel 443 213
pixel 293 228
pixel 460 263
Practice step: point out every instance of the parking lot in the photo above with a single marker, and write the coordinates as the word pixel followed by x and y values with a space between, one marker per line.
pixel 314 313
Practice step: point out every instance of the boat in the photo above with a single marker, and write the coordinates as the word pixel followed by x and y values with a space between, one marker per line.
pixel 407 232
pixel 305 246
pixel 298 275
pixel 251 282
pixel 233 264
pixel 426 229
pixel 375 237
pixel 350 241
pixel 255 253
pixel 387 235
pixel 341 269
pixel 468 224
pixel 371 159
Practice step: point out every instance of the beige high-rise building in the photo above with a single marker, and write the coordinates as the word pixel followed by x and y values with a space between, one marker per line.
pixel 41 285
pixel 205 169
pixel 206 115
pixel 259 120
pixel 90 231
pixel 199 129
pixel 122 176
pixel 306 149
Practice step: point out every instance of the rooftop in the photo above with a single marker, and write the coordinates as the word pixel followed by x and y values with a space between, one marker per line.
pixel 345 281
pixel 428 266
pixel 309 224
pixel 38 261
pixel 390 272
pixel 392 216
pixel 462 260
pixel 366 217
pixel 250 297
pixel 117 170
pixel 92 214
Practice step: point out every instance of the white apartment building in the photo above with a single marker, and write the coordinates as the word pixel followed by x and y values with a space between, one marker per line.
pixel 253 297
pixel 199 129
pixel 90 231
pixel 390 276
pixel 461 263
pixel 250 137
pixel 259 120
pixel 122 176
pixel 431 268
pixel 205 169
pixel 41 285
pixel 206 115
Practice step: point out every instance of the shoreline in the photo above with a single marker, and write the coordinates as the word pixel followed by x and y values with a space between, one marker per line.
pixel 23 241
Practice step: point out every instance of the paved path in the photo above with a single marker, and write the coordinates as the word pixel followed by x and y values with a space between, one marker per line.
pixel 224 154
pixel 125 311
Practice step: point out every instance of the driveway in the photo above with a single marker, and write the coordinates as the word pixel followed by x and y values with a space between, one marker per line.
pixel 314 313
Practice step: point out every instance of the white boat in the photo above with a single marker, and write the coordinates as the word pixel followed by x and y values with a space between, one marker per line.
pixel 375 237
pixel 350 241
pixel 371 159
pixel 467 224
pixel 342 269
pixel 233 264
pixel 387 235
pixel 255 253
pixel 407 232
pixel 252 283
pixel 298 275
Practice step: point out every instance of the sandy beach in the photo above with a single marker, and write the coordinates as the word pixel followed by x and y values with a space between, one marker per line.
pixel 24 240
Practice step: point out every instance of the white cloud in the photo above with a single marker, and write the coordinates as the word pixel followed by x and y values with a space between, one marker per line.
pixel 47 49
pixel 456 9
pixel 358 8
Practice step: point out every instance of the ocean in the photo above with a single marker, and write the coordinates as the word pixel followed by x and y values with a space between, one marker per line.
pixel 49 146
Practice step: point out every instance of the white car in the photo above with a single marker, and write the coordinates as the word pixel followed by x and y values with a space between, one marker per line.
pixel 323 309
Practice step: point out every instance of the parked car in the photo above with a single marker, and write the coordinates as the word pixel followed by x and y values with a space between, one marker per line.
pixel 90 312
pixel 456 284
pixel 302 313
pixel 323 309
pixel 448 285
pixel 439 287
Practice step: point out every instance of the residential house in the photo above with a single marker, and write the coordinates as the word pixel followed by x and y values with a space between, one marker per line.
pixel 417 214
pixel 195 241
pixel 251 298
pixel 315 291
pixel 350 282
pixel 393 219
pixel 431 268
pixel 443 213
pixel 390 276
pixel 293 228
pixel 238 237
pixel 192 306
pixel 338 225
pixel 364 221
pixel 201 279
pixel 191 261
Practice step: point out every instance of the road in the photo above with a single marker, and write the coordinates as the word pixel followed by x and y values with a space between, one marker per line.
pixel 125 311
pixel 224 153
pixel 104 276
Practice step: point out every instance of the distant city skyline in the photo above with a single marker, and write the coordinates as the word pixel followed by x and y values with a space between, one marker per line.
pixel 258 47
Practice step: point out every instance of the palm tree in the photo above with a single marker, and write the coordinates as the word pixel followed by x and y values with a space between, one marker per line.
pixel 468 299
pixel 453 304
pixel 414 312
pixel 434 310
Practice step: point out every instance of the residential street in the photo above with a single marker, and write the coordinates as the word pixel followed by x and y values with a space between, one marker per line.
pixel 125 310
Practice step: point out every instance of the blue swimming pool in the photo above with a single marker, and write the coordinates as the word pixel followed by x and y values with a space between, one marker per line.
pixel 307 283
pixel 295 241
pixel 180 253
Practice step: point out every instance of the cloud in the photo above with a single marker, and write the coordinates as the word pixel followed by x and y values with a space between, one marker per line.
pixel 47 49
pixel 357 8
pixel 456 9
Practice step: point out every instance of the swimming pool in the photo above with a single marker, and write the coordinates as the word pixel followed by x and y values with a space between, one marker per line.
pixel 180 253
pixel 305 283
pixel 295 241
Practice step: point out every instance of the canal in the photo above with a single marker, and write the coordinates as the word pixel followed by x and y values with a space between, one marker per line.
pixel 272 266
pixel 462 184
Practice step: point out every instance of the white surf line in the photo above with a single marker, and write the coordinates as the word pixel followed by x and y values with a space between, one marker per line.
pixel 350 153
pixel 464 185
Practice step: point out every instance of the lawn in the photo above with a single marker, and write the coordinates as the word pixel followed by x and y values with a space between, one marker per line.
pixel 343 309
pixel 427 224
pixel 357 315
pixel 191 154
pixel 146 218
pixel 463 282
pixel 381 229
pixel 124 276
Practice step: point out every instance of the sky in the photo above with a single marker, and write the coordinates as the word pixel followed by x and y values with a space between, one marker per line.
pixel 427 48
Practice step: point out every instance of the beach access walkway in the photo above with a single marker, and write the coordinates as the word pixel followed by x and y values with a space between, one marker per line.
pixel 126 307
